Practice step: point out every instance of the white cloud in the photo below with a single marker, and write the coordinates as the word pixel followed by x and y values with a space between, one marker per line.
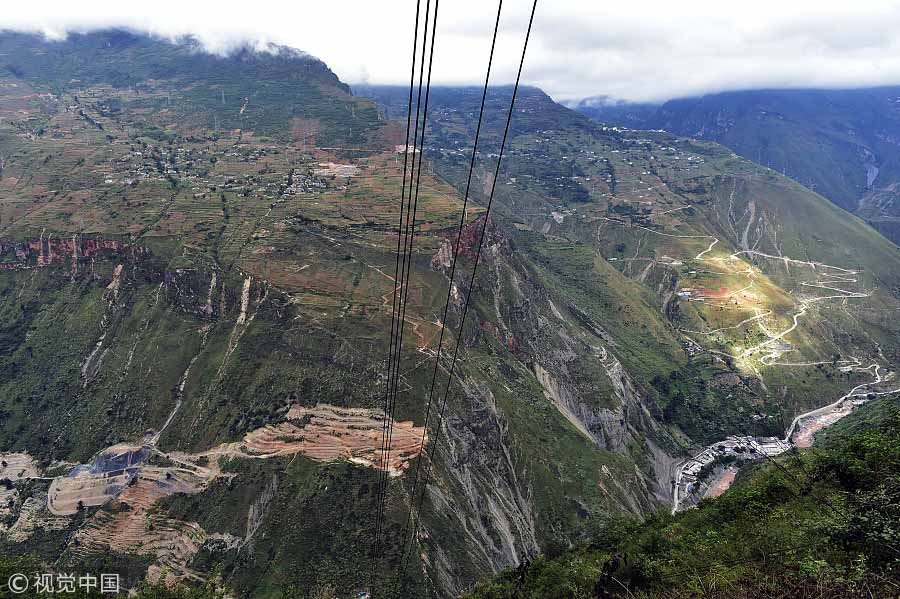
pixel 636 50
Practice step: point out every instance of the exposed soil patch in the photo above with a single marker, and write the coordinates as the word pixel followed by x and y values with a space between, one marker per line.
pixel 327 433
pixel 722 483
pixel 128 481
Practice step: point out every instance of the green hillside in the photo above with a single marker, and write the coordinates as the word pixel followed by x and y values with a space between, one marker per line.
pixel 662 215
pixel 196 262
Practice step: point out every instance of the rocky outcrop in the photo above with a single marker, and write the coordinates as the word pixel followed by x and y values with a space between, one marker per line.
pixel 468 242
pixel 49 249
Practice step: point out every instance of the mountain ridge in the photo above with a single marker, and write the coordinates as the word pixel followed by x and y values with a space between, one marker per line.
pixel 840 143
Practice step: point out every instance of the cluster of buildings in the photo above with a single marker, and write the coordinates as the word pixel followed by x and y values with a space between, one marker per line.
pixel 732 449
pixel 197 166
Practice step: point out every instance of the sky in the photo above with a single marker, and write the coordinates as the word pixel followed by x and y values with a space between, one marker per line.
pixel 635 50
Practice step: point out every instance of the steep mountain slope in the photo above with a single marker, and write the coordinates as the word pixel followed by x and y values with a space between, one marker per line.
pixel 841 143
pixel 819 524
pixel 196 260
pixel 253 89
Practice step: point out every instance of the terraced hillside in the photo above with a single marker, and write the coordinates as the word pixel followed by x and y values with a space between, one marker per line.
pixel 841 143
pixel 196 261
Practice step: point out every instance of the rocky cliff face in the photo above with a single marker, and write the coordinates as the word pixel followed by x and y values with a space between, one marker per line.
pixel 601 401
pixel 489 483
pixel 77 250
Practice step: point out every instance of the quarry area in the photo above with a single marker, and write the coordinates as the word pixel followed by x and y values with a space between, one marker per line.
pixel 130 479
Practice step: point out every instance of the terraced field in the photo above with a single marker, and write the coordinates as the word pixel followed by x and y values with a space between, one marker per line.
pixel 130 479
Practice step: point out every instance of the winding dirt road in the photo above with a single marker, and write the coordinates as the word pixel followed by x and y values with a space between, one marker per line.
pixel 831 278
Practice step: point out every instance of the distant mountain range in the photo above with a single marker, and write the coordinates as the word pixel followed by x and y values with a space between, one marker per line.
pixel 844 144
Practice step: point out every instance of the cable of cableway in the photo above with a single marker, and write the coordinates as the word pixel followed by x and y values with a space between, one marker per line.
pixel 388 376
pixel 401 279
pixel 462 221
pixel 443 405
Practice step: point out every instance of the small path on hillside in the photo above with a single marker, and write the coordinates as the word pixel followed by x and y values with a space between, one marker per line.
pixel 831 278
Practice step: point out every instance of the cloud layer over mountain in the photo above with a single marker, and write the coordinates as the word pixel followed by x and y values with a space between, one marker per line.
pixel 643 50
